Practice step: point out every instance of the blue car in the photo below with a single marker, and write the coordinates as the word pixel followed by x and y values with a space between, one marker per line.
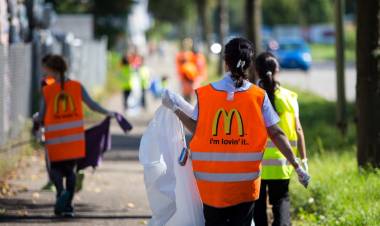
pixel 291 53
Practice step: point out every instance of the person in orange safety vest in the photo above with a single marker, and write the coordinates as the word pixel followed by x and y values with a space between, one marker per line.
pixel 61 113
pixel 230 126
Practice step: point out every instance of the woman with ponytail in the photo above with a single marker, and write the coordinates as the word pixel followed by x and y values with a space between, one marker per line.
pixel 61 114
pixel 230 125
pixel 276 169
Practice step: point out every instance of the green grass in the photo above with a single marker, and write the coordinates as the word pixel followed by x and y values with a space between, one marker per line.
pixel 322 52
pixel 339 193
pixel 319 122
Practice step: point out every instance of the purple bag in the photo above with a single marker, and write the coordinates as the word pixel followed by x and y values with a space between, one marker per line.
pixel 98 141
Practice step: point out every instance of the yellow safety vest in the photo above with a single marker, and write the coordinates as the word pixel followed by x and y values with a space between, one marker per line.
pixel 275 165
pixel 126 77
pixel 144 77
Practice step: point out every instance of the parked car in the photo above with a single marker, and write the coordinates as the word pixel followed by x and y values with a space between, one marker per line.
pixel 291 53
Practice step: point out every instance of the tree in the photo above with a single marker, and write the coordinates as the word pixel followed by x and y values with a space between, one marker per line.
pixel 202 8
pixel 368 82
pixel 253 22
pixel 281 12
pixel 223 28
pixel 316 11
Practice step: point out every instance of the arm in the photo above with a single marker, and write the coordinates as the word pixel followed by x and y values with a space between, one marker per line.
pixel 188 122
pixel 281 141
pixel 300 139
pixel 41 110
pixel 92 104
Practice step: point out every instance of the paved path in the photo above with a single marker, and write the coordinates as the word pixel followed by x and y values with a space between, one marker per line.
pixel 113 195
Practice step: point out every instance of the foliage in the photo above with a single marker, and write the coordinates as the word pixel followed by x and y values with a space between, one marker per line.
pixel 316 11
pixel 281 12
pixel 303 12
pixel 319 122
pixel 339 193
pixel 174 11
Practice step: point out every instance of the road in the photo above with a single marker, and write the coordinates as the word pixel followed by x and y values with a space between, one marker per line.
pixel 321 80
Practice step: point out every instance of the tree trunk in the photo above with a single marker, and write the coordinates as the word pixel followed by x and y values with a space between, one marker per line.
pixel 340 65
pixel 253 22
pixel 368 82
pixel 223 28
pixel 202 6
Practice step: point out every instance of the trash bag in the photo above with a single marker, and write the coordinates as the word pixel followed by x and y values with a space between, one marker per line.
pixel 172 191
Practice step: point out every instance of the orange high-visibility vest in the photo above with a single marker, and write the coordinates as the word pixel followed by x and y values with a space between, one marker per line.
pixel 227 146
pixel 64 127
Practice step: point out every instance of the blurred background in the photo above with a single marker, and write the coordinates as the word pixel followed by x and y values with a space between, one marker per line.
pixel 315 42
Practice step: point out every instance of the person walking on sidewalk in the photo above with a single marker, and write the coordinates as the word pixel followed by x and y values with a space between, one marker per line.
pixel 126 77
pixel 61 113
pixel 230 125
pixel 276 169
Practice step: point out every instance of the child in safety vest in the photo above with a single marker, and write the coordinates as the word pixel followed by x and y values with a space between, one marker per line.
pixel 61 114
pixel 230 126
pixel 126 79
pixel 276 169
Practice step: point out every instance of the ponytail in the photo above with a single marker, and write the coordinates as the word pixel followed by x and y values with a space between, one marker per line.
pixel 239 57
pixel 266 67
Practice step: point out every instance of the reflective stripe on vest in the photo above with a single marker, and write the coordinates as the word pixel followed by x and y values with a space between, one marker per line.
pixel 226 177
pixel 270 144
pixel 227 157
pixel 66 139
pixel 65 125
pixel 275 162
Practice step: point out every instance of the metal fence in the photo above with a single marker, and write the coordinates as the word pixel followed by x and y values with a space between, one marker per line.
pixel 15 89
pixel 88 63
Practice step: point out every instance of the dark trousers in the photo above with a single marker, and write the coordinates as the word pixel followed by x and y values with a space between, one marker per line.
pixel 61 170
pixel 126 94
pixel 239 215
pixel 143 97
pixel 278 191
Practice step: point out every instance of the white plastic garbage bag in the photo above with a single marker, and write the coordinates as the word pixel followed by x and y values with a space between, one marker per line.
pixel 172 192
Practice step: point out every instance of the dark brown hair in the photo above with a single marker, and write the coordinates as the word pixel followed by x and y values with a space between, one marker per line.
pixel 58 64
pixel 239 56
pixel 266 67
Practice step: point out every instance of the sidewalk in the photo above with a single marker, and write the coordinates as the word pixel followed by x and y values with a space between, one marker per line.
pixel 113 195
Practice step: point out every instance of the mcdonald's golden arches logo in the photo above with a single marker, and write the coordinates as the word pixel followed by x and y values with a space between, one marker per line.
pixel 228 116
pixel 63 99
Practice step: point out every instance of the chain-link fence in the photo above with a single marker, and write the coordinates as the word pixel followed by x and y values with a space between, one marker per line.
pixel 15 89
pixel 87 61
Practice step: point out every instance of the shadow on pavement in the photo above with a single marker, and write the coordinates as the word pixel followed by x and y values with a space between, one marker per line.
pixel 45 219
pixel 125 142
pixel 83 211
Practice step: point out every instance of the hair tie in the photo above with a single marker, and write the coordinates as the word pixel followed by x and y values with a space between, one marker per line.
pixel 269 73
pixel 240 63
